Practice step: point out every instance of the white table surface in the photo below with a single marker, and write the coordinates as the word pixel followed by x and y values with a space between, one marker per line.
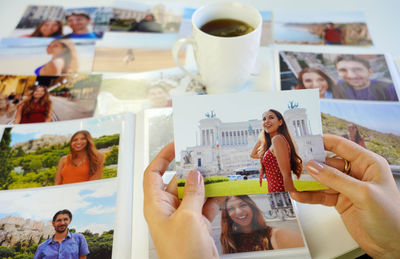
pixel 325 233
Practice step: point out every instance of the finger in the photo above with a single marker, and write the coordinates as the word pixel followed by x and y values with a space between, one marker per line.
pixel 152 175
pixel 315 197
pixel 211 207
pixel 334 179
pixel 172 187
pixel 337 163
pixel 343 147
pixel 193 194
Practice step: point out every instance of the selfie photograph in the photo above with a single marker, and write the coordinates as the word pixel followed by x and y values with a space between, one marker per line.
pixel 260 149
pixel 77 151
pixel 365 77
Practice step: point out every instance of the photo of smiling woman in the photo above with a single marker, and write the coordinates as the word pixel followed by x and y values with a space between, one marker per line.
pixel 310 78
pixel 244 229
pixel 85 163
pixel 37 108
pixel 277 154
pixel 64 59
pixel 48 28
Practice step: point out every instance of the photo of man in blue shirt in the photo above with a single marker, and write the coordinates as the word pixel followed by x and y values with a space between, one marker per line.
pixel 79 21
pixel 63 244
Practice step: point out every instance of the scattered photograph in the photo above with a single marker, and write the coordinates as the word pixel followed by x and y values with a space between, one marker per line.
pixel 338 76
pixel 135 92
pixel 31 99
pixel 260 149
pixel 145 18
pixel 41 21
pixel 86 213
pixel 321 27
pixel 45 56
pixel 266 34
pixel 371 125
pixel 37 155
pixel 87 22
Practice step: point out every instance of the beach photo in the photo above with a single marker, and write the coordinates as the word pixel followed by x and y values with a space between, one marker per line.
pixel 373 126
pixel 85 213
pixel 45 56
pixel 339 76
pixel 31 99
pixel 37 155
pixel 321 28
pixel 262 148
pixel 135 92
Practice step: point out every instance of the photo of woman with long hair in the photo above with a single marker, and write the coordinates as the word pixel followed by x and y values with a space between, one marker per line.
pixel 310 78
pixel 354 135
pixel 277 154
pixel 48 28
pixel 64 59
pixel 85 163
pixel 37 108
pixel 244 229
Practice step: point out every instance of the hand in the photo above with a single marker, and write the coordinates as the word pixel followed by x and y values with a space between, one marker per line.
pixel 367 199
pixel 179 229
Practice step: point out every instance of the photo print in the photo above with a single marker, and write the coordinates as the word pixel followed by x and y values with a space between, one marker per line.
pixel 339 76
pixel 230 146
pixel 321 27
pixel 31 99
pixel 37 155
pixel 266 34
pixel 135 92
pixel 45 56
pixel 27 226
pixel 371 125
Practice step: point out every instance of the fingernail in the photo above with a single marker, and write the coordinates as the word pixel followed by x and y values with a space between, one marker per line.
pixel 314 167
pixel 194 177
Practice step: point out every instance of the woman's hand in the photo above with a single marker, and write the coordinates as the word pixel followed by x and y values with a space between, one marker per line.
pixel 367 199
pixel 180 229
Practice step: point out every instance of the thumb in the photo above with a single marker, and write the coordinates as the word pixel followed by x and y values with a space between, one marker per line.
pixel 334 179
pixel 193 195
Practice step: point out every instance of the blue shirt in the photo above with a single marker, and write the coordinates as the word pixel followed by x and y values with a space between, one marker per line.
pixel 90 35
pixel 73 246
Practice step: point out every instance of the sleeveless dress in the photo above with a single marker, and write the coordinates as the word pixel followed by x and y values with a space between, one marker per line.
pixel 75 174
pixel 36 115
pixel 272 172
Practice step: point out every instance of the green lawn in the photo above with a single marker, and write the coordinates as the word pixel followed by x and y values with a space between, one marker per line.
pixel 229 188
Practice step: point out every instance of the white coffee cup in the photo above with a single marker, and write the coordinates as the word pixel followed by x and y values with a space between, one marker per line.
pixel 224 63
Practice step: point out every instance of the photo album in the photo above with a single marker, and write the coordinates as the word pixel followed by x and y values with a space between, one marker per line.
pixel 89 95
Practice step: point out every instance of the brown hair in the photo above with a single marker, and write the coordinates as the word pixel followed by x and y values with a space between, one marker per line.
pixel 37 32
pixel 300 84
pixel 44 101
pixel 295 160
pixel 232 238
pixel 91 151
pixel 349 57
pixel 69 56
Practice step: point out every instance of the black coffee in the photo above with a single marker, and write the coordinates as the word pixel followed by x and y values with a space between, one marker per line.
pixel 226 28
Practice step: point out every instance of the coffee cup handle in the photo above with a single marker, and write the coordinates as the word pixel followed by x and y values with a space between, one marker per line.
pixel 175 53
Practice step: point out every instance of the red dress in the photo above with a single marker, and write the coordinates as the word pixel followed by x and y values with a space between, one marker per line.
pixel 36 115
pixel 272 173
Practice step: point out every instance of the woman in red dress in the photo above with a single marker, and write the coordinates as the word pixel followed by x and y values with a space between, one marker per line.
pixel 37 108
pixel 277 154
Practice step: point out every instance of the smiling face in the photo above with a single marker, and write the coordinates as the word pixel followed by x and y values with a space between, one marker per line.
pixel 158 96
pixel 313 80
pixel 39 92
pixel 240 212
pixel 354 73
pixel 78 142
pixel 48 28
pixel 78 23
pixel 61 223
pixel 55 48
pixel 271 123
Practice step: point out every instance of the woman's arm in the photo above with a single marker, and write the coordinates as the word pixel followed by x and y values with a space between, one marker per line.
pixel 18 115
pixel 48 117
pixel 286 238
pixel 58 178
pixel 97 175
pixel 281 152
pixel 54 67
pixel 254 152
